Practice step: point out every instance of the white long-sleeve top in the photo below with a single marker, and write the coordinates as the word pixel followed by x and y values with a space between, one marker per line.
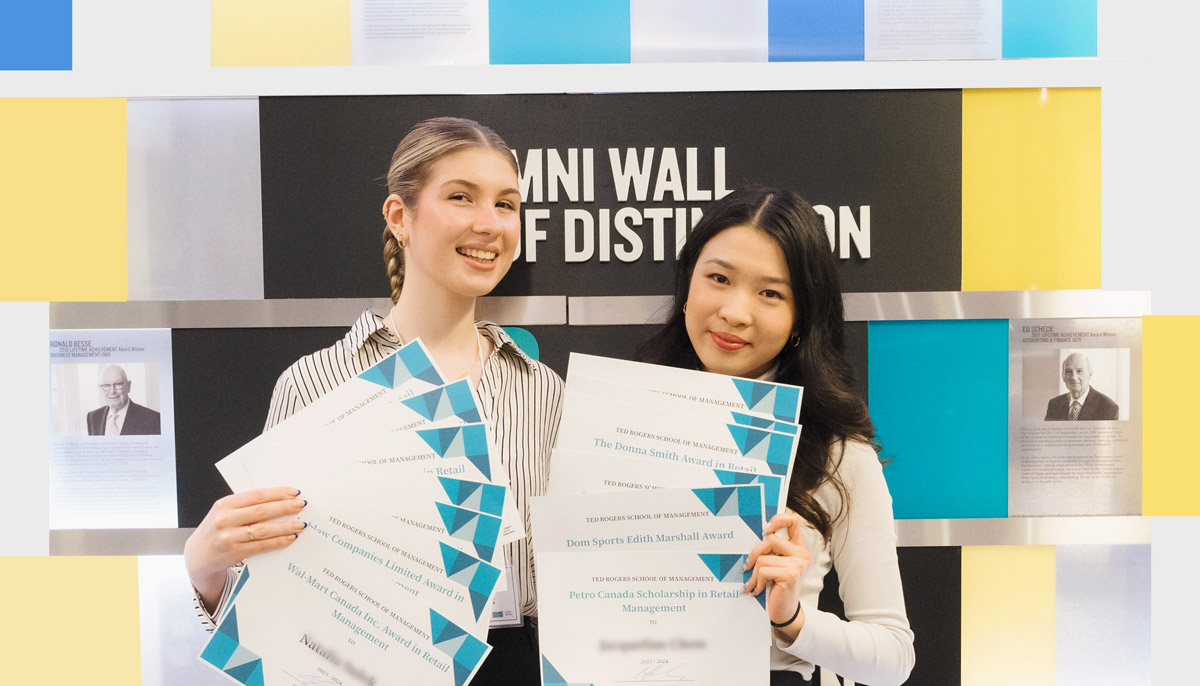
pixel 875 646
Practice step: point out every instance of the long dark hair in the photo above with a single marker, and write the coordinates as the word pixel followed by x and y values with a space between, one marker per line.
pixel 831 412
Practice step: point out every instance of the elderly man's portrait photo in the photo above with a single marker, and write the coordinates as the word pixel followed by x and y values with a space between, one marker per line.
pixel 106 399
pixel 118 415
pixel 1084 400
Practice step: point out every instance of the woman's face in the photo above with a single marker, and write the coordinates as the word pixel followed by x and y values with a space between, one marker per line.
pixel 740 306
pixel 464 231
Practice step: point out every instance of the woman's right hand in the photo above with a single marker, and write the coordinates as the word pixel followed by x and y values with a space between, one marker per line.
pixel 237 527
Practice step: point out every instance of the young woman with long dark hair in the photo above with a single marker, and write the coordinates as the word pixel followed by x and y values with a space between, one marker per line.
pixel 757 295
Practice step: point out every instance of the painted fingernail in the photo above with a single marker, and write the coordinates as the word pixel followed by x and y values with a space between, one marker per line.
pixel 305 524
pixel 295 492
pixel 295 536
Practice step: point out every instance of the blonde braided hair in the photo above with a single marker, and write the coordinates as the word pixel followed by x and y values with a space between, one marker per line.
pixel 428 142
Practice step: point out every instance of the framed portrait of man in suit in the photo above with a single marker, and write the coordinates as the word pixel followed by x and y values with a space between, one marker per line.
pixel 1074 417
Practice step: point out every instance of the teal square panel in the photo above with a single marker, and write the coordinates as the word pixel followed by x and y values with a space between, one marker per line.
pixel 939 396
pixel 555 32
pixel 1062 28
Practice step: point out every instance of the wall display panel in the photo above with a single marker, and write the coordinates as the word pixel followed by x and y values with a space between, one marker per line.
pixel 613 182
pixel 35 35
pixel 815 30
pixel 698 31
pixel 419 32
pixel 64 257
pixel 224 379
pixel 26 447
pixel 112 429
pixel 923 30
pixel 1031 189
pixel 549 32
pixel 1102 615
pixel 70 620
pixel 280 33
pixel 1174 599
pixel 195 200
pixel 1008 615
pixel 1170 472
pixel 171 636
pixel 938 392
pixel 1075 417
pixel 1065 28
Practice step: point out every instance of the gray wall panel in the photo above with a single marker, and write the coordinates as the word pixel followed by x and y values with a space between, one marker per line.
pixel 195 200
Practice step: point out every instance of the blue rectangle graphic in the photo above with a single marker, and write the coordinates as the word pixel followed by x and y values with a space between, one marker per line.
pixel 1064 28
pixel 938 393
pixel 35 35
pixel 815 30
pixel 549 32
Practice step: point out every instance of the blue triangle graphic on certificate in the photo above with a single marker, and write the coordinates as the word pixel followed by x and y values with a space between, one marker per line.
pixel 726 568
pixel 752 392
pixel 240 657
pixel 416 365
pixel 462 402
pixel 551 677
pixel 455 561
pixel 383 373
pixel 229 625
pixel 220 647
pixel 249 673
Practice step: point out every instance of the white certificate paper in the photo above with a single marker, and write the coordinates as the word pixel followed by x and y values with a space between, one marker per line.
pixel 338 620
pixel 726 519
pixel 600 426
pixel 668 618
pixel 406 372
pixel 573 471
pixel 780 401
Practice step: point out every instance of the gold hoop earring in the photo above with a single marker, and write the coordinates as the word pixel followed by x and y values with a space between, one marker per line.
pixel 402 243
pixel 794 341
pixel 684 308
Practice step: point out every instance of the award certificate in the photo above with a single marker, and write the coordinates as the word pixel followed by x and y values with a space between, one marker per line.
pixel 780 401
pixel 406 372
pixel 573 471
pixel 668 618
pixel 725 519
pixel 336 620
pixel 609 428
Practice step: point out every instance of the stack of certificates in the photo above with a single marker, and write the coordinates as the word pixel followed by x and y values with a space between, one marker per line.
pixel 393 581
pixel 660 485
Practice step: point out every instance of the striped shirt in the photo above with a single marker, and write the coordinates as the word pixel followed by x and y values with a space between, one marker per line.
pixel 521 402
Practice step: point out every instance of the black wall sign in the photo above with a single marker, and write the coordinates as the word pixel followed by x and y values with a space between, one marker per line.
pixel 611 182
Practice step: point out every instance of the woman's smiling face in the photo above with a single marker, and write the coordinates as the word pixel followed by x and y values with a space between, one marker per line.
pixel 463 232
pixel 740 307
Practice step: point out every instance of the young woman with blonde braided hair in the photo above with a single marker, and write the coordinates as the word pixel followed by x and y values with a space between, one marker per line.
pixel 452 218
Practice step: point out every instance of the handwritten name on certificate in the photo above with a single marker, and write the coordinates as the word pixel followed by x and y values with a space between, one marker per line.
pixel 668 618
pixel 780 401
pixel 727 519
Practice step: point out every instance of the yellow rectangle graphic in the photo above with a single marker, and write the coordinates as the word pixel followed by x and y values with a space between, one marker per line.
pixel 1008 615
pixel 62 199
pixel 71 620
pixel 1170 374
pixel 1030 188
pixel 280 33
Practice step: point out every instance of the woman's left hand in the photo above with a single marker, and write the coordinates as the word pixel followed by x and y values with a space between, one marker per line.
pixel 782 562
